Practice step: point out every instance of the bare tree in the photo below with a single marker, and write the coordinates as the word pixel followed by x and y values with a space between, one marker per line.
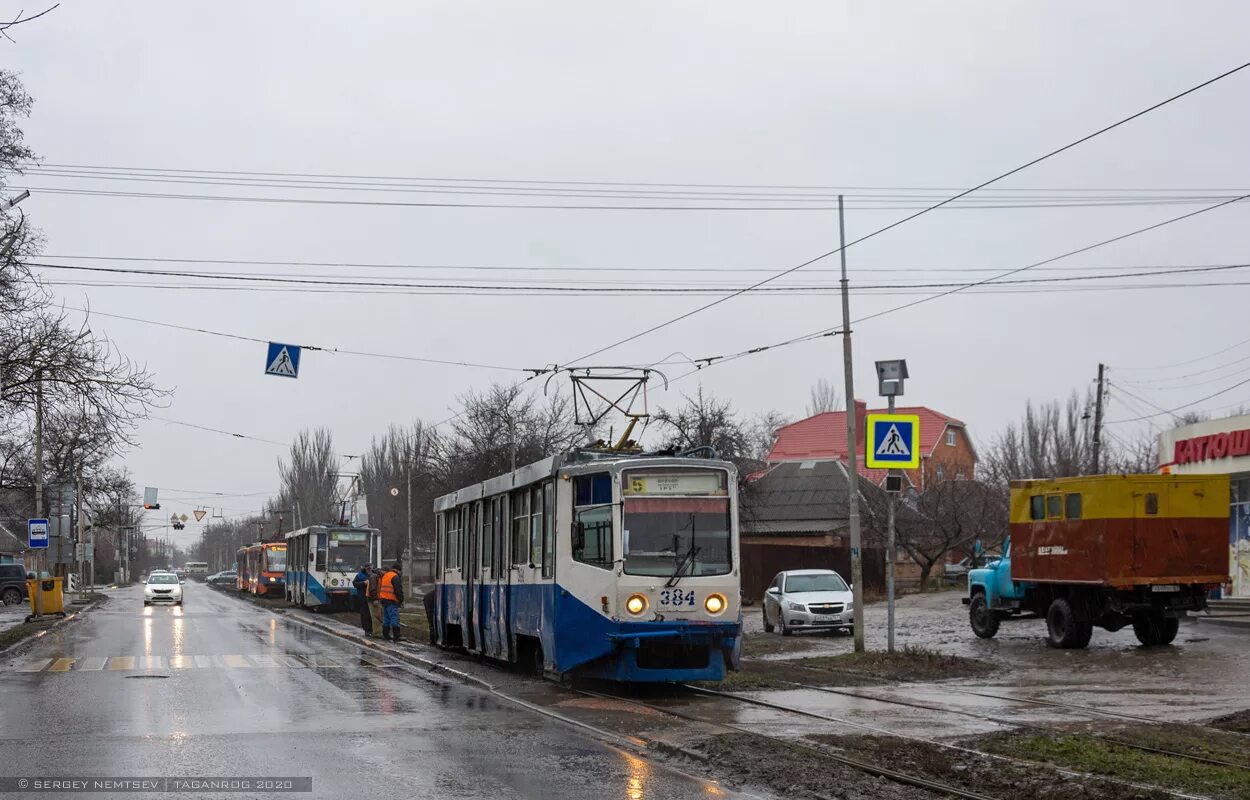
pixel 824 397
pixel 310 480
pixel 399 461
pixel 1051 441
pixel 762 434
pixel 705 421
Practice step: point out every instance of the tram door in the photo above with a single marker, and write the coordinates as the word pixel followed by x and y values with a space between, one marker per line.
pixel 482 527
pixel 472 572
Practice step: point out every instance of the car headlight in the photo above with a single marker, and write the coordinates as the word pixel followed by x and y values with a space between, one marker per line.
pixel 715 603
pixel 272 579
pixel 796 606
pixel 636 604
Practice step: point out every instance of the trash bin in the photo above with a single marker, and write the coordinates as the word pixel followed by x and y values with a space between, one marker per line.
pixel 46 597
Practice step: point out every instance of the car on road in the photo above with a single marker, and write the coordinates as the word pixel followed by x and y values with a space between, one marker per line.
pixel 12 584
pixel 162 587
pixel 807 599
pixel 223 578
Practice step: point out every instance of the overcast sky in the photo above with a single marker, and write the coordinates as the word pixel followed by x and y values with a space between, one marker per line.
pixel 833 94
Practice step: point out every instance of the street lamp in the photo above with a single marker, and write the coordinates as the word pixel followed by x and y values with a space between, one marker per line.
pixel 890 377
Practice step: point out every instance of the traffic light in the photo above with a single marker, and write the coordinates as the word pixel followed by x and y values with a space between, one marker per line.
pixel 152 506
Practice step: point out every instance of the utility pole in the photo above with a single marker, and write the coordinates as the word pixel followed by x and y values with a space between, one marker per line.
pixel 408 569
pixel 42 557
pixel 1098 422
pixel 82 562
pixel 857 565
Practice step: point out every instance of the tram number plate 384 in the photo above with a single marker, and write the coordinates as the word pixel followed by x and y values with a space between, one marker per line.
pixel 676 598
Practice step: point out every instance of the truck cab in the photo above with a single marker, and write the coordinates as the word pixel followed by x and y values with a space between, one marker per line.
pixel 992 594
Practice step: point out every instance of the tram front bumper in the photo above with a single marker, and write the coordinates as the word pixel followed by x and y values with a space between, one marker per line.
pixel 676 652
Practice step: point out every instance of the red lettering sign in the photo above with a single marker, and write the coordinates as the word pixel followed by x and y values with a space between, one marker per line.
pixel 1213 446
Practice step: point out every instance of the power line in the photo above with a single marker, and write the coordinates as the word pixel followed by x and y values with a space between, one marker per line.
pixel 1186 363
pixel 218 430
pixel 418 359
pixel 910 217
pixel 708 361
pixel 1182 406
pixel 832 189
pixel 1148 382
pixel 616 269
pixel 318 281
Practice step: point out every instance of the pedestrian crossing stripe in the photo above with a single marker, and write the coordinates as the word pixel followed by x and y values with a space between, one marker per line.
pixel 892 441
pixel 196 662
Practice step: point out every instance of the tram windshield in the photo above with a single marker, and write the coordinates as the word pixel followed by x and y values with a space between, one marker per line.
pixel 676 523
pixel 348 552
pixel 275 559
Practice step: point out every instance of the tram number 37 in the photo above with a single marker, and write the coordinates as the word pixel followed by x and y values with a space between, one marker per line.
pixel 676 598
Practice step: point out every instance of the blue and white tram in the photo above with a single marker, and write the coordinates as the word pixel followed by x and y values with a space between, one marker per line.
pixel 595 563
pixel 321 561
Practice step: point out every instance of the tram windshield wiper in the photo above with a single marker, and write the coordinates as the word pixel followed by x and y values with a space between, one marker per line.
pixel 688 558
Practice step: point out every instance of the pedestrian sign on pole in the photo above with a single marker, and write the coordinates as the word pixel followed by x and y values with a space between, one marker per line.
pixel 282 360
pixel 893 441
pixel 36 533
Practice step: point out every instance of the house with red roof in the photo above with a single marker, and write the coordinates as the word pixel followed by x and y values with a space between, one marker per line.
pixel 946 450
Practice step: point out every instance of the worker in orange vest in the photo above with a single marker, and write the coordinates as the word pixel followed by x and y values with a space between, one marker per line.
pixel 391 596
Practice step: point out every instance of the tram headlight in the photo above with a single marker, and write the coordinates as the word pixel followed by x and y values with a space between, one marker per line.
pixel 636 604
pixel 715 603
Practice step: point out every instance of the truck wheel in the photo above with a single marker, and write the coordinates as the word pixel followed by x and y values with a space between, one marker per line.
pixel 1063 629
pixel 984 621
pixel 1085 632
pixel 1155 629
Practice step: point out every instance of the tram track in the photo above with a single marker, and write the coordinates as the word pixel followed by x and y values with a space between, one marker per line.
pixel 877 770
pixel 1025 725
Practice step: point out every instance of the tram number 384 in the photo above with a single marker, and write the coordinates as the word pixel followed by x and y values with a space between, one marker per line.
pixel 676 598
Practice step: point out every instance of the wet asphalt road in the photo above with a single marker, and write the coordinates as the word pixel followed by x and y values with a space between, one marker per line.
pixel 222 688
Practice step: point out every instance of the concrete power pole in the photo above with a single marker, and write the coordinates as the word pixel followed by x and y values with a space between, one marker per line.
pixel 857 565
pixel 1098 421
pixel 408 495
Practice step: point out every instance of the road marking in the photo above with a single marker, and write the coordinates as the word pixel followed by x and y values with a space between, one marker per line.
pixel 151 662
pixel 34 665
pixel 263 660
pixel 92 664
pixel 237 662
pixel 204 662
pixel 181 662
pixel 121 662
pixel 62 665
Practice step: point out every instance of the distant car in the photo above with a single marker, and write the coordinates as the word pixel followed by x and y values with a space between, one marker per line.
pixel 162 587
pixel 958 570
pixel 13 584
pixel 182 575
pixel 223 578
pixel 806 599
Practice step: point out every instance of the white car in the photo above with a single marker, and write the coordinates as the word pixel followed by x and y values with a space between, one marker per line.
pixel 805 599
pixel 162 587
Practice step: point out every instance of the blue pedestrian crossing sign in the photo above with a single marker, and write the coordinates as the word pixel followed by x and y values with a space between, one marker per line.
pixel 893 441
pixel 282 360
pixel 36 533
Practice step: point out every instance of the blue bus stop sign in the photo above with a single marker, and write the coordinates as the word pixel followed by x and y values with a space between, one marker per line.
pixel 36 533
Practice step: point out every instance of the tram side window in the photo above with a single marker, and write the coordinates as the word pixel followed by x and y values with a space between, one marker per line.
pixel 453 538
pixel 1037 507
pixel 488 525
pixel 592 526
pixel 440 542
pixel 321 551
pixel 520 526
pixel 498 532
pixel 549 516
pixel 536 525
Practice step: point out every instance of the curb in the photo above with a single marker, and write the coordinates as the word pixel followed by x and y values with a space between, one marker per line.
pixel 403 655
pixel 59 622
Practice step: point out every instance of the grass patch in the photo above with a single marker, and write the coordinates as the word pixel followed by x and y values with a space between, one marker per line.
pixel 767 644
pixel 414 625
pixel 1094 755
pixel 908 664
pixel 1237 723
pixel 980 774
pixel 23 631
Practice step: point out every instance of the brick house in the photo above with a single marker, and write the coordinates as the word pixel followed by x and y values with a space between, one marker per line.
pixel 946 450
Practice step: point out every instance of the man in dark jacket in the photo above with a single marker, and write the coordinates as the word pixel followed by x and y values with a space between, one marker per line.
pixel 391 595
pixel 361 584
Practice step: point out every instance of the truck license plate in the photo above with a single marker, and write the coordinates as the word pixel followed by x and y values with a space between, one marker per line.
pixel 1165 587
